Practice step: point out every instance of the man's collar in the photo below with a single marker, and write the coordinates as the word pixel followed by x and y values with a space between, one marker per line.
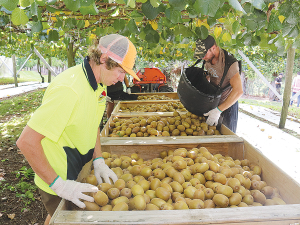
pixel 89 73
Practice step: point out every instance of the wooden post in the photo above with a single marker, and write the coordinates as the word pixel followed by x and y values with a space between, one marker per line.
pixel 287 86
pixel 49 71
pixel 13 58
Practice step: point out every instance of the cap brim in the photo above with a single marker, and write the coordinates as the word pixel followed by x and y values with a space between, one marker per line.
pixel 131 72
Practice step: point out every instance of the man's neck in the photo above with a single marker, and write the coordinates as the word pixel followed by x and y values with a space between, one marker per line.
pixel 216 56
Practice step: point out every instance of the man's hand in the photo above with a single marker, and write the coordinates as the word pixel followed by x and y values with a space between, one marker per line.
pixel 102 171
pixel 73 191
pixel 128 90
pixel 213 116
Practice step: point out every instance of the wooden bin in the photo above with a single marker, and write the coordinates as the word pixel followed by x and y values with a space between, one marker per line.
pixel 238 149
pixel 116 111
pixel 172 95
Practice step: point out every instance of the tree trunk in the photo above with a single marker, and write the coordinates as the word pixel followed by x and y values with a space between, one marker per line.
pixel 71 54
pixel 287 86
pixel 13 58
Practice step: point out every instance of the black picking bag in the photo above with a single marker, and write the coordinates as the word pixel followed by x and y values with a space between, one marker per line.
pixel 196 93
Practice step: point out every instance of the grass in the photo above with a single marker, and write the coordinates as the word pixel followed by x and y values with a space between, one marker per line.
pixel 276 106
pixel 25 76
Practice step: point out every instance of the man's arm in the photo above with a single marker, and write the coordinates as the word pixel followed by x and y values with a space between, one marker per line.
pixel 235 94
pixel 97 151
pixel 30 145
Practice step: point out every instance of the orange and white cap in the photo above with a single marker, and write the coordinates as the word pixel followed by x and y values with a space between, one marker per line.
pixel 121 50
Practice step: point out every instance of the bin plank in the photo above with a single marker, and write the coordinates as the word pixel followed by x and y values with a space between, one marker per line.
pixel 283 215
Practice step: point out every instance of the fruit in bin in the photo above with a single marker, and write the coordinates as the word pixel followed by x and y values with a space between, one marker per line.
pixel 91 206
pixel 100 198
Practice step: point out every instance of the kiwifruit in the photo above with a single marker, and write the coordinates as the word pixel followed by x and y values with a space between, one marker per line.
pixel 214 185
pixel 199 194
pixel 151 206
pixel 151 194
pixel 177 176
pixel 176 186
pixel 209 204
pixel 91 206
pixel 91 179
pixel 144 184
pixel 186 184
pixel 269 202
pixel 130 184
pixel 179 164
pixel 225 190
pixel 126 192
pixel 200 187
pixel 196 204
pixel 267 191
pixel 120 184
pixel 214 166
pixel 163 193
pixel 209 193
pixel 167 180
pixel 243 204
pixel 258 196
pixel 256 170
pixel 235 199
pixel 113 193
pixel 180 205
pixel 146 172
pixel 209 175
pixel 106 208
pixel 201 168
pixel 119 199
pixel 121 206
pixel 194 182
pixel 220 177
pixel 255 177
pixel 234 183
pixel 157 201
pixel 101 198
pixel 220 200
pixel 139 202
pixel 167 186
pixel 136 170
pixel 155 183
pixel 104 187
pixel 147 198
pixel 278 201
pixel 189 192
pixel 127 177
pixel 159 173
pixel 166 206
pixel 257 204
pixel 137 190
pixel 200 177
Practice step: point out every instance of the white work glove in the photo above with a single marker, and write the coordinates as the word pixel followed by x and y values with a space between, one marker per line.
pixel 213 116
pixel 102 171
pixel 128 90
pixel 73 191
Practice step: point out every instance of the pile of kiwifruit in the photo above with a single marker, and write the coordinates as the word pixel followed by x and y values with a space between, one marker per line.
pixel 155 107
pixel 181 179
pixel 153 97
pixel 185 124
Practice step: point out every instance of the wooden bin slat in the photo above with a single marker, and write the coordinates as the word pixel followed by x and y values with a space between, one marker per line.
pixel 172 95
pixel 279 214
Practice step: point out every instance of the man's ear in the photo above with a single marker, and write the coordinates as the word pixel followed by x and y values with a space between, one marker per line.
pixel 103 58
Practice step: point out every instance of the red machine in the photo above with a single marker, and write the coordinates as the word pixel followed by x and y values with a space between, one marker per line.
pixel 152 79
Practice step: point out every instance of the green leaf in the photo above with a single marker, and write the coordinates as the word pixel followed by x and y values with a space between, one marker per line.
pixel 59 22
pixel 53 35
pixel 131 3
pixel 73 5
pixel 142 1
pixel 290 30
pixel 132 27
pixel 19 17
pixel 4 20
pixel 236 5
pixel 9 4
pixel 149 11
pixel 119 24
pixel 178 4
pixel 155 3
pixel 235 27
pixel 86 2
pixel 92 9
pixel 51 9
pixel 208 7
pixel 274 24
pixel 36 27
pixel 180 29
pixel 152 37
pixel 173 15
pixel 80 24
pixel 201 32
pixel 24 3
pixel 34 9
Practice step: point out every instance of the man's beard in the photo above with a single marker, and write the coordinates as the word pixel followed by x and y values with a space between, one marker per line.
pixel 211 59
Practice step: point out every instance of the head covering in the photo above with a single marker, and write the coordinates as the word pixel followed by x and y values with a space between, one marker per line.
pixel 202 46
pixel 121 50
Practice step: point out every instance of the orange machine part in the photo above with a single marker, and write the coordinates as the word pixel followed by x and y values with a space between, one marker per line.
pixel 150 76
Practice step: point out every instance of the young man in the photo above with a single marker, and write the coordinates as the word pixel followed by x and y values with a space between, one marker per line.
pixel 296 88
pixel 63 134
pixel 214 57
pixel 278 82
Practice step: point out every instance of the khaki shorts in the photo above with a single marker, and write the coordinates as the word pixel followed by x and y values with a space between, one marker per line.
pixel 50 201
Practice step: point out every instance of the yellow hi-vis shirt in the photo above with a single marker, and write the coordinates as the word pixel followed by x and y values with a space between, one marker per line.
pixel 69 117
